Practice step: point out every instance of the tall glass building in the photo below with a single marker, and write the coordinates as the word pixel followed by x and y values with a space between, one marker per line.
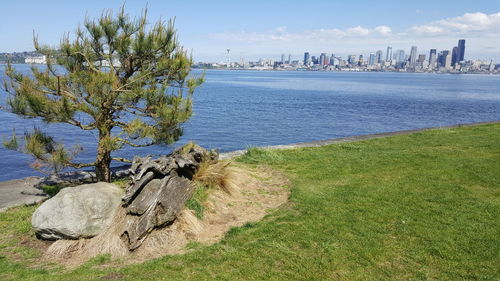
pixel 388 55
pixel 371 60
pixel 461 50
pixel 378 56
pixel 432 58
pixel 413 55
pixel 306 58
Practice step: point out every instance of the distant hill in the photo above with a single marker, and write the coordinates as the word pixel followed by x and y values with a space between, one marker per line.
pixel 16 57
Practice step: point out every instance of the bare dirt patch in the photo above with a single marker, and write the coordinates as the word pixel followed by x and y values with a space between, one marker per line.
pixel 25 244
pixel 252 195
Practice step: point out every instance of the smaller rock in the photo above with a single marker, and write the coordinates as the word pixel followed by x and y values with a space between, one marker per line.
pixel 77 212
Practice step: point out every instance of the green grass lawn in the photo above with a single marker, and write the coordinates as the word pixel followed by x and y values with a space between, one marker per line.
pixel 424 206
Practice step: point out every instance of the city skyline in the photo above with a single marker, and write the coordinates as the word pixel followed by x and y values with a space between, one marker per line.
pixel 374 57
pixel 444 58
pixel 264 29
pixel 437 61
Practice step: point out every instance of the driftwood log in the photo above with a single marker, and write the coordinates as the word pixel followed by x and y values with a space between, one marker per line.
pixel 158 190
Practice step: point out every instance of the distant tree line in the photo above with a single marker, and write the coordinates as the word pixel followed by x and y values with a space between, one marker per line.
pixel 16 57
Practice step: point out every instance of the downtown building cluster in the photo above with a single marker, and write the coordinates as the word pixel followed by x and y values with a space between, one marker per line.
pixel 446 61
pixel 397 60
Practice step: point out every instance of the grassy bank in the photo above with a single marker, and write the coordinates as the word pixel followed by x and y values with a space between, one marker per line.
pixel 424 206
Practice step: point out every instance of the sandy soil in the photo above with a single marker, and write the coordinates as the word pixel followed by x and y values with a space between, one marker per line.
pixel 253 195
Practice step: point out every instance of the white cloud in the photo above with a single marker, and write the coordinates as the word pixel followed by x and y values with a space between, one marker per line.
pixel 468 24
pixel 282 34
pixel 478 29
pixel 358 30
pixel 428 30
pixel 383 30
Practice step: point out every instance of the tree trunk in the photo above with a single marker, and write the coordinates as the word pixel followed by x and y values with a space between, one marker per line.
pixel 103 160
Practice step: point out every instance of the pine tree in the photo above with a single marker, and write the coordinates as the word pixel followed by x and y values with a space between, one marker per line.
pixel 117 76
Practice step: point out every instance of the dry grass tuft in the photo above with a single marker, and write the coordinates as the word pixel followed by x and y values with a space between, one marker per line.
pixel 75 252
pixel 221 175
pixel 187 147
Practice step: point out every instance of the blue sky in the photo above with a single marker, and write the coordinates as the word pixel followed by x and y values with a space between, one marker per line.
pixel 253 29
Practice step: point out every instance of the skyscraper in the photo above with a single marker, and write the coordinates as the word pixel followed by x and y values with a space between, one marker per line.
pixel 289 59
pixel 432 59
pixel 431 53
pixel 388 55
pixel 400 56
pixel 352 60
pixel 413 55
pixel 372 59
pixel 443 55
pixel 378 56
pixel 461 50
pixel 306 58
pixel 421 59
pixel 332 59
pixel 454 55
pixel 283 58
pixel 447 61
pixel 322 59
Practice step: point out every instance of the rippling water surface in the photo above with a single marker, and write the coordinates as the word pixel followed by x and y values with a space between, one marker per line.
pixel 237 109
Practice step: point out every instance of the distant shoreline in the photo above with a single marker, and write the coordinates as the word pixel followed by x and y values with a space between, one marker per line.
pixel 316 70
pixel 347 71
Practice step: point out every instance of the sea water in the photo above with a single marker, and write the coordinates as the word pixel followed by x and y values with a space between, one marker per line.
pixel 236 109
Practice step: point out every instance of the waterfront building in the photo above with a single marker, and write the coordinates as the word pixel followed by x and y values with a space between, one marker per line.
pixel 35 60
pixel 388 55
pixel 413 55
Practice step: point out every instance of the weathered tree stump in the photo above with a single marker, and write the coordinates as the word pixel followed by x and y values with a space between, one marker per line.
pixel 158 190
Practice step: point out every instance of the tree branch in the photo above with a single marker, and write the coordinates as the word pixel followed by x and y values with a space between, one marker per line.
pixel 134 144
pixel 121 159
pixel 80 165
pixel 91 65
pixel 80 125
pixel 140 113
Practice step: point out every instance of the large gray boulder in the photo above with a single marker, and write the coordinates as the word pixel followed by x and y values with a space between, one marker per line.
pixel 77 212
